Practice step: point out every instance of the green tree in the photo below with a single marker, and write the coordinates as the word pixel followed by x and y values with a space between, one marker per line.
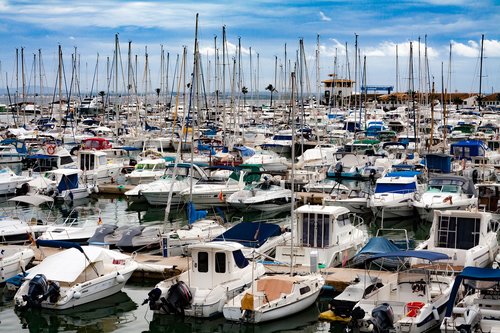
pixel 457 101
pixel 244 91
pixel 271 89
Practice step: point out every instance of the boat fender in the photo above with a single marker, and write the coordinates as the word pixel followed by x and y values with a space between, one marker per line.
pixel 435 313
pixel 119 278
pixel 77 295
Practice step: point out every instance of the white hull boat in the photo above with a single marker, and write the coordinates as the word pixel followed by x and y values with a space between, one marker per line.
pixel 13 260
pixel 74 277
pixel 274 297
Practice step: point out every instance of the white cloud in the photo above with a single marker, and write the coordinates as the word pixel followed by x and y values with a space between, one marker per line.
pixel 323 17
pixel 388 49
pixel 472 48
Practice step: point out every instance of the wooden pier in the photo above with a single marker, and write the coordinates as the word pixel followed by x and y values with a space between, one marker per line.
pixel 155 268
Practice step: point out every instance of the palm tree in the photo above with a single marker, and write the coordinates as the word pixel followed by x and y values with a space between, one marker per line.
pixel 244 91
pixel 457 101
pixel 271 89
pixel 102 94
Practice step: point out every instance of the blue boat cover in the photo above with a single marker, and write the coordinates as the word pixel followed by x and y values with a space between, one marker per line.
pixel 58 244
pixel 377 245
pixel 250 234
pixel 245 151
pixel 470 273
pixel 426 255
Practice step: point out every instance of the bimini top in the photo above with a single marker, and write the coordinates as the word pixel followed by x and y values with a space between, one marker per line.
pixel 471 273
pixel 426 255
pixel 250 234
pixel 35 200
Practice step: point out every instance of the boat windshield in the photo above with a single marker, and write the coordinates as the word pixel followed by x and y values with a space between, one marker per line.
pixel 444 188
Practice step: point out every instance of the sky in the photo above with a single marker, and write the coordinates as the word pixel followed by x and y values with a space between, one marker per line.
pixel 263 27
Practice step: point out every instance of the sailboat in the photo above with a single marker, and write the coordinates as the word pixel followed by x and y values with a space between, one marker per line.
pixel 276 296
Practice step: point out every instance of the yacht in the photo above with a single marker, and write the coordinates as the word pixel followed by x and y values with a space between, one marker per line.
pixel 75 276
pixel 146 171
pixel 265 197
pixel 479 309
pixel 393 194
pixel 445 193
pixel 96 167
pixel 10 183
pixel 13 260
pixel 469 238
pixel 331 233
pixel 61 184
pixel 413 301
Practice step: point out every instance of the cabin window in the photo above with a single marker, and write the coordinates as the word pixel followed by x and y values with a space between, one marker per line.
pixel 66 160
pixel 202 262
pixel 240 259
pixel 316 230
pixel 87 162
pixel 220 262
pixel 102 160
pixel 458 232
pixel 304 290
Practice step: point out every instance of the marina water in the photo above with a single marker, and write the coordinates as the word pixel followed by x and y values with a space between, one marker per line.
pixel 123 312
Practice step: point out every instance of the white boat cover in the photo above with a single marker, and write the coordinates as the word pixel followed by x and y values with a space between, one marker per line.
pixel 35 200
pixel 66 266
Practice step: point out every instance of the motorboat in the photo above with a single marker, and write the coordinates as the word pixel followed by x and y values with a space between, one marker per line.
pixel 413 301
pixel 355 200
pixel 10 183
pixel 274 297
pixel 489 197
pixel 12 151
pixel 218 271
pixel 19 226
pixel 140 238
pixel 157 192
pixel 96 168
pixel 71 229
pixel 265 196
pixel 259 238
pixel 61 184
pixel 213 192
pixel 50 157
pixel 479 309
pixel 146 171
pixel 469 238
pixel 176 242
pixel 326 185
pixel 13 260
pixel 268 160
pixel 75 276
pixel 445 193
pixel 393 194
pixel 333 234
pixel 280 143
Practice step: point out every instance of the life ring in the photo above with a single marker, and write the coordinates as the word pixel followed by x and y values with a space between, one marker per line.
pixel 51 149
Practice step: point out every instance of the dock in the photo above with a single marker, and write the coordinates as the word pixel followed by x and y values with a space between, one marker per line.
pixel 155 268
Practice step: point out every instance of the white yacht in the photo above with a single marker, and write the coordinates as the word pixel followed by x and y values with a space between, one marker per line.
pixel 265 197
pixel 331 232
pixel 413 301
pixel 218 271
pixel 479 309
pixel 393 195
pixel 61 184
pixel 13 260
pixel 445 193
pixel 96 167
pixel 469 238
pixel 268 160
pixel 146 171
pixel 10 182
pixel 73 277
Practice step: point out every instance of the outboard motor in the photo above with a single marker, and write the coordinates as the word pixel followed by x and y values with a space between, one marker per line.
pixel 53 292
pixel 38 287
pixel 178 297
pixel 338 169
pixel 382 318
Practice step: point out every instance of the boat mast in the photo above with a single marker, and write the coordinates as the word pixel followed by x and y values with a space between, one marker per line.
pixel 480 73
pixel 292 176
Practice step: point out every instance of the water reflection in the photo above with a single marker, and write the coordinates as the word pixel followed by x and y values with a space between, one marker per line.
pixel 105 315
pixel 306 321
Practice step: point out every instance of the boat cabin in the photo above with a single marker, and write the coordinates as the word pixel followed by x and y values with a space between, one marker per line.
pixel 489 197
pixel 469 238
pixel 213 262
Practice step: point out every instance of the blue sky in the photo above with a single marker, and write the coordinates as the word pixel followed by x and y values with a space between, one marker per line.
pixel 264 26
